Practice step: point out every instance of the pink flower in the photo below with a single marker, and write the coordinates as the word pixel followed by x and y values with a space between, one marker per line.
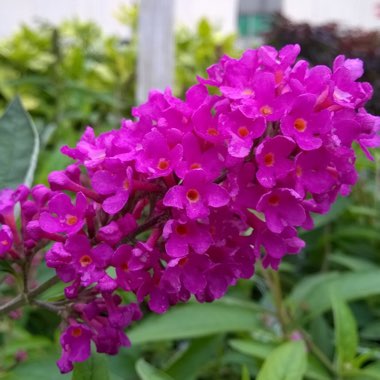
pixel 182 235
pixel 62 216
pixel 273 160
pixel 6 240
pixel 196 195
pixel 282 207
pixel 76 346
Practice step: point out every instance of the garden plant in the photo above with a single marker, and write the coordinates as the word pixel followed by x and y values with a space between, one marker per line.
pixel 312 314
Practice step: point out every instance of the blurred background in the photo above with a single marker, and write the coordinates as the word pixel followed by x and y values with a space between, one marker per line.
pixel 88 62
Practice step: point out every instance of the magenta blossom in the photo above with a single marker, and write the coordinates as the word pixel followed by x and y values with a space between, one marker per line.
pixel 305 125
pixel 76 346
pixel 184 235
pixel 273 160
pixel 6 240
pixel 282 207
pixel 62 216
pixel 196 195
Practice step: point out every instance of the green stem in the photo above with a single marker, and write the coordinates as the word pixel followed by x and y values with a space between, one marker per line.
pixel 27 298
pixel 273 280
pixel 317 352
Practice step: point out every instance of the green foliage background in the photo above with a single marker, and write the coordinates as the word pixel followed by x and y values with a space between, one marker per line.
pixel 318 318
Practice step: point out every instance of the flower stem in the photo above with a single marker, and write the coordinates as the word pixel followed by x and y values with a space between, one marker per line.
pixel 27 298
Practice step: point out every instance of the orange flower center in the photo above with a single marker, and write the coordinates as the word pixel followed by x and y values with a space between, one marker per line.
pixel 71 220
pixel 300 124
pixel 183 261
pixel 213 132
pixel 4 242
pixel 181 229
pixel 85 261
pixel 243 131
pixel 124 267
pixel 76 332
pixel 193 195
pixel 247 91
pixel 195 165
pixel 278 76
pixel 266 110
pixel 274 200
pixel 126 185
pixel 298 171
pixel 269 159
pixel 163 164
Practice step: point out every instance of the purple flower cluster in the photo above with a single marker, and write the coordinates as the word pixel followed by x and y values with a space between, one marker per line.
pixel 183 200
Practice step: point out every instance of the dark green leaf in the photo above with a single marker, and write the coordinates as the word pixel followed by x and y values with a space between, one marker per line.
pixel 371 331
pixel 148 372
pixel 194 320
pixel 286 362
pixel 19 146
pixel 94 368
pixel 189 364
pixel 245 373
pixel 313 293
pixel 346 335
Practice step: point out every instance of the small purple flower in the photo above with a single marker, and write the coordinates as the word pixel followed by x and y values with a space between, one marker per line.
pixel 76 258
pixel 196 195
pixel 116 183
pixel 6 240
pixel 304 124
pixel 194 158
pixel 62 216
pixel 76 346
pixel 184 235
pixel 314 172
pixel 157 159
pixel 272 157
pixel 131 267
pixel 282 207
pixel 242 132
pixel 265 103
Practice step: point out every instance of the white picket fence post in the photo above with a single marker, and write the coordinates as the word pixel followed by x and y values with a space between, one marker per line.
pixel 155 56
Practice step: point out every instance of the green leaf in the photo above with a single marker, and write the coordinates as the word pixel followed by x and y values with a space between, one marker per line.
pixel 262 350
pixel 245 373
pixel 19 146
pixel 43 368
pixel 355 264
pixel 336 210
pixel 346 335
pixel 252 348
pixel 286 362
pixel 194 320
pixel 148 372
pixel 189 364
pixel 94 368
pixel 371 331
pixel 313 293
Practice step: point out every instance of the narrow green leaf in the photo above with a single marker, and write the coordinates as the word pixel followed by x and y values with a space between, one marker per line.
pixel 336 210
pixel 313 293
pixel 371 331
pixel 355 264
pixel 147 372
pixel 256 349
pixel 286 362
pixel 19 146
pixel 245 373
pixel 94 368
pixel 41 368
pixel 261 351
pixel 194 320
pixel 346 335
pixel 189 364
